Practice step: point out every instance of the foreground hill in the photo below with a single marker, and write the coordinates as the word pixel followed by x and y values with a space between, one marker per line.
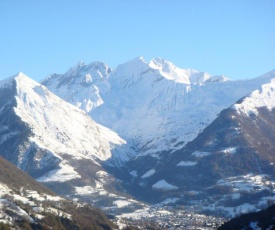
pixel 27 204
pixel 264 220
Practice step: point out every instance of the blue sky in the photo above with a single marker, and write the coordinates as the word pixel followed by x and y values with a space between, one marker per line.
pixel 235 37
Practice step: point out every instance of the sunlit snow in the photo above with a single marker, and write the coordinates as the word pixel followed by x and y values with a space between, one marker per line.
pixel 231 150
pixel 65 173
pixel 187 163
pixel 148 173
pixel 163 185
pixel 258 98
pixel 61 129
pixel 154 105
pixel 247 183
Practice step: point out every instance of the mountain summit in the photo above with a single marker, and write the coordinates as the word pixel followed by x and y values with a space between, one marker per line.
pixel 82 84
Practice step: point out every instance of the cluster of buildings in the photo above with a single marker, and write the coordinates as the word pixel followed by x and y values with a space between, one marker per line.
pixel 158 218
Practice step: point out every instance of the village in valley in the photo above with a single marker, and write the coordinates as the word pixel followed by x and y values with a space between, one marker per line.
pixel 160 218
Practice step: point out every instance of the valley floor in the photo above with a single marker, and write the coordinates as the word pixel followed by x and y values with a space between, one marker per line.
pixel 159 218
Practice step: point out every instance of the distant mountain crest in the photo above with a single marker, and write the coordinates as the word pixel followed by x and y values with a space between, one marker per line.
pixel 150 104
pixel 263 97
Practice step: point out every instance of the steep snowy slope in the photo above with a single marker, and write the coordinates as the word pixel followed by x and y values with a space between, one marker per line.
pixel 263 97
pixel 55 142
pixel 227 169
pixel 157 106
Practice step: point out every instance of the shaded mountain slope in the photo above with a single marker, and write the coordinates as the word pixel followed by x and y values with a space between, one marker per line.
pixel 229 164
pixel 264 220
pixel 16 178
pixel 27 204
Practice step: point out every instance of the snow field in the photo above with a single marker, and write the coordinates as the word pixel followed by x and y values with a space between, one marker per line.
pixel 186 163
pixel 148 173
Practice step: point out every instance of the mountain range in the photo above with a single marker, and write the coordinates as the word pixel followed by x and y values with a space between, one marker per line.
pixel 147 131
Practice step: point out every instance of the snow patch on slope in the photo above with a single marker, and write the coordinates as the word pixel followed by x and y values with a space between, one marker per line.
pixel 122 203
pixel 185 76
pixel 134 173
pixel 66 173
pixel 248 183
pixel 148 173
pixel 230 150
pixel 4 189
pixel 187 163
pixel 163 185
pixel 200 154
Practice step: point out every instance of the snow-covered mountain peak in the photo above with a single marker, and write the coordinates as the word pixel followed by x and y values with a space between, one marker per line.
pixel 20 78
pixel 170 71
pixel 129 73
pixel 160 63
pixel 20 74
pixel 219 78
pixel 23 79
pixel 94 66
pixel 57 127
pixel 98 71
pixel 81 85
pixel 132 67
pixel 186 76
pixel 264 97
pixel 137 60
pixel 79 64
pixel 133 71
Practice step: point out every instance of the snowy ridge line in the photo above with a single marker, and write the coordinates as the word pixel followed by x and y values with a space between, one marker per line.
pixel 155 106
pixel 258 98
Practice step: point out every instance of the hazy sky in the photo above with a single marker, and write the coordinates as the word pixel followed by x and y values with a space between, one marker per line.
pixel 231 37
